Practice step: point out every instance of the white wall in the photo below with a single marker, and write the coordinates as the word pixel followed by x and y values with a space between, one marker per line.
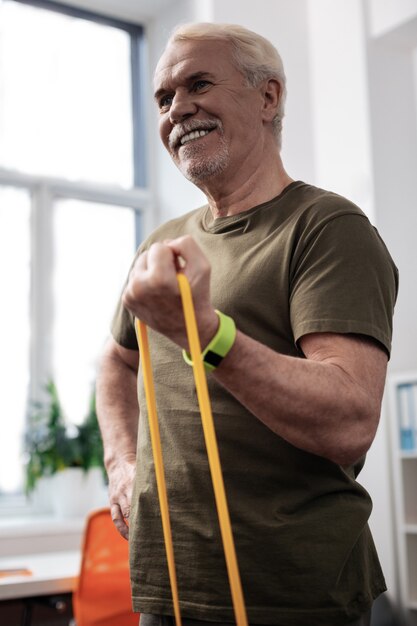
pixel 342 147
pixel 394 135
pixel 389 14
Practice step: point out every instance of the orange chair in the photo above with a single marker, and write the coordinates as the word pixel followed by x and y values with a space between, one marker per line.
pixel 102 596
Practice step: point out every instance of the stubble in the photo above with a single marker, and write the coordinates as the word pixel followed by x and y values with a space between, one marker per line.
pixel 194 162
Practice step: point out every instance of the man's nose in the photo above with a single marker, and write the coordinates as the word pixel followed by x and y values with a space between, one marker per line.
pixel 182 107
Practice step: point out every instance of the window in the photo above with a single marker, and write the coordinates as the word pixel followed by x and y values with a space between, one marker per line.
pixel 14 329
pixel 85 293
pixel 66 96
pixel 72 203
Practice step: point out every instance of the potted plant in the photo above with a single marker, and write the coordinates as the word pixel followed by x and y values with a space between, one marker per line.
pixel 89 438
pixel 70 456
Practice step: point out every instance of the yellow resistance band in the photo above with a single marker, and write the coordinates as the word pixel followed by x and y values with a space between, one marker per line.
pixel 212 452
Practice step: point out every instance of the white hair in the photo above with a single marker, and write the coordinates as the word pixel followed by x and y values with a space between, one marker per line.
pixel 254 56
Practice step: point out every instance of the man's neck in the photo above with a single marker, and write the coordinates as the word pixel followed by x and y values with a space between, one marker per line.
pixel 239 193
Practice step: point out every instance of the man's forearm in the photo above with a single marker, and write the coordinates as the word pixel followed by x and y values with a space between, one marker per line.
pixel 117 409
pixel 118 415
pixel 314 405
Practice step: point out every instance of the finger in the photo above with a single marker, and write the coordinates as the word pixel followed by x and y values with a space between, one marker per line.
pixel 161 264
pixel 193 259
pixel 142 261
pixel 141 264
pixel 183 245
pixel 187 248
pixel 124 499
pixel 159 253
pixel 134 284
pixel 119 521
pixel 179 260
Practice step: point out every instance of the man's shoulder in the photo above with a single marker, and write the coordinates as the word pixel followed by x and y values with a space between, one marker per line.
pixel 315 204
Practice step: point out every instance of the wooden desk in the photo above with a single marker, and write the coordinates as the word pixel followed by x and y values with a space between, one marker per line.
pixel 52 573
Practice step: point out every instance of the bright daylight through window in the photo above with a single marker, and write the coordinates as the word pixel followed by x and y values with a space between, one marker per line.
pixel 69 211
pixel 14 330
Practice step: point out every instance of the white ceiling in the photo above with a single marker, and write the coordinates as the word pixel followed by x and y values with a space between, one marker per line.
pixel 131 10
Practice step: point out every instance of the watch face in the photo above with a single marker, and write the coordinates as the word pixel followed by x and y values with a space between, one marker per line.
pixel 212 358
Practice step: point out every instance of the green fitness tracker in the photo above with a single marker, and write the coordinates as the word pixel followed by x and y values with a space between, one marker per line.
pixel 219 346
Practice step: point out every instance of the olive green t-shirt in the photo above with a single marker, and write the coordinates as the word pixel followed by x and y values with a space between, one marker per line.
pixel 307 261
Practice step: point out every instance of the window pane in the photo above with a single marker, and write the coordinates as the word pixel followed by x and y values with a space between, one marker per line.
pixel 65 96
pixel 94 247
pixel 14 332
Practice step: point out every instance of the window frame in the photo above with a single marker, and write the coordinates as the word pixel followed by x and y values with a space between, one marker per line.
pixel 44 191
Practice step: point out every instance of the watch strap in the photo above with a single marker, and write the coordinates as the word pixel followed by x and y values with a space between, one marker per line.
pixel 219 346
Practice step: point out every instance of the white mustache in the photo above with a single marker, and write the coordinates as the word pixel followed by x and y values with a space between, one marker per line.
pixel 187 127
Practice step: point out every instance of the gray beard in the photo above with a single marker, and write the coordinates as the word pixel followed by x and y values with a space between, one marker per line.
pixel 198 168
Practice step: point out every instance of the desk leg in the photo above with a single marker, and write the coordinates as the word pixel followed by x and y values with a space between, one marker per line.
pixel 27 614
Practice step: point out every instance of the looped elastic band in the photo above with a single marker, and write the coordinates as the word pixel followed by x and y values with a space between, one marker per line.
pixel 212 453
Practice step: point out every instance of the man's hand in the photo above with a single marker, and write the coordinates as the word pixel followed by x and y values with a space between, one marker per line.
pixel 152 293
pixel 121 478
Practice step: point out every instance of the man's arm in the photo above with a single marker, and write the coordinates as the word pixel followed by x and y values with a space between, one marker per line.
pixel 327 404
pixel 118 413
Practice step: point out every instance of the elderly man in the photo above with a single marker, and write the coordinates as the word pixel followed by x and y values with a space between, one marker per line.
pixel 294 293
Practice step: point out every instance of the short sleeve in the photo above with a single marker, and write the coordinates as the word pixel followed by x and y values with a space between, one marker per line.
pixel 123 328
pixel 344 281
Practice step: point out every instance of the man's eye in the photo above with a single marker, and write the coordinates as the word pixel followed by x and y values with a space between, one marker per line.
pixel 200 84
pixel 165 101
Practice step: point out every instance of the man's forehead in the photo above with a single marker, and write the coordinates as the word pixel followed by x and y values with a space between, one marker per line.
pixel 191 57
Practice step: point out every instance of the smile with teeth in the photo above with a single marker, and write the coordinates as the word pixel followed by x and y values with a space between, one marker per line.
pixel 195 134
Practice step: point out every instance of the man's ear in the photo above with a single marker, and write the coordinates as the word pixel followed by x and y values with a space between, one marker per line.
pixel 271 94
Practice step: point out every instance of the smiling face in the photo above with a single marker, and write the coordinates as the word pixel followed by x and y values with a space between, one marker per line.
pixel 210 119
